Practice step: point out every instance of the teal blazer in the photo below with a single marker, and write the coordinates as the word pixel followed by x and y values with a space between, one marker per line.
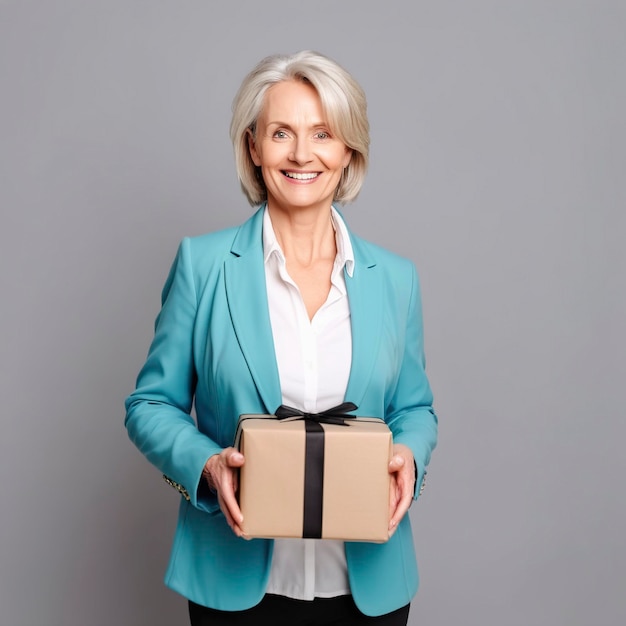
pixel 213 352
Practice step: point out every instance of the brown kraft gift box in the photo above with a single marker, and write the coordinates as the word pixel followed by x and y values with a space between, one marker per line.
pixel 303 478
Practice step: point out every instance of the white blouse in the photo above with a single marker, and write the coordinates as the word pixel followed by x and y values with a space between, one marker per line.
pixel 314 358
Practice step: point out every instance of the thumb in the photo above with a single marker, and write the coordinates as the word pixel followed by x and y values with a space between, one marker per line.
pixel 235 459
pixel 396 462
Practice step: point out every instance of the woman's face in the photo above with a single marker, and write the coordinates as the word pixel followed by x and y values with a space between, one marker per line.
pixel 300 159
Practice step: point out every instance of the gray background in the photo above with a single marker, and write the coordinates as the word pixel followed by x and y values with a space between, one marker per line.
pixel 498 165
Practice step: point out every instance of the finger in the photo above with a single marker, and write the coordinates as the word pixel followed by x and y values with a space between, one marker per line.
pixel 397 462
pixel 233 458
pixel 229 518
pixel 403 498
pixel 228 495
pixel 400 512
pixel 229 505
pixel 404 502
pixel 393 498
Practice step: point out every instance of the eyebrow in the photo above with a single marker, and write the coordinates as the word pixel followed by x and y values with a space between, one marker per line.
pixel 314 125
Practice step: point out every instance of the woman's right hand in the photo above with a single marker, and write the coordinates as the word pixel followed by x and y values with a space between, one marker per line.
pixel 220 472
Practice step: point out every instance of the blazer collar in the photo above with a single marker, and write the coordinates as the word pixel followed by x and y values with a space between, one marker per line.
pixel 244 275
pixel 365 293
pixel 247 301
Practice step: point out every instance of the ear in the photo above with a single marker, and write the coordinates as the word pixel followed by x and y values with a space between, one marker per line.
pixel 348 157
pixel 254 155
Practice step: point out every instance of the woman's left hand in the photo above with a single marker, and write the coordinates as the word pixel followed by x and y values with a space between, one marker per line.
pixel 402 470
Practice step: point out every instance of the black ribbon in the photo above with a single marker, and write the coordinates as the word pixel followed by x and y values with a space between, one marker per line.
pixel 314 460
pixel 337 415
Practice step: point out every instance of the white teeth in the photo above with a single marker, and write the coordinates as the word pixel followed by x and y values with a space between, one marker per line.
pixel 301 175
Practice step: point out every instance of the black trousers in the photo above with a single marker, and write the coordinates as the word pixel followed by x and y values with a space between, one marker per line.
pixel 282 611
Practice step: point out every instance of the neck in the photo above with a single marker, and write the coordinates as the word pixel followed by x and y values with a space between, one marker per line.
pixel 305 236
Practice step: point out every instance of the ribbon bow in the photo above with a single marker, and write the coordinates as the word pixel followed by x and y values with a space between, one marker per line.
pixel 337 415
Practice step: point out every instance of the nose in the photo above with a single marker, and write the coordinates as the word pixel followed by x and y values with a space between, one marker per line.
pixel 301 150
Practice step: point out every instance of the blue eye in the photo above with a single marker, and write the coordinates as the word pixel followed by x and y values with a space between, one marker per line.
pixel 322 135
pixel 280 134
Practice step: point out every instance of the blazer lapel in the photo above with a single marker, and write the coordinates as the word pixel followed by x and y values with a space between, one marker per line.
pixel 365 294
pixel 247 302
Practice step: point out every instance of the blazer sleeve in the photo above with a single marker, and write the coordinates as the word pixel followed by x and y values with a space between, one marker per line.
pixel 410 414
pixel 158 412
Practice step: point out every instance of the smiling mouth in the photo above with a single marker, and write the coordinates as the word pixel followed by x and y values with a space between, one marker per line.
pixel 301 175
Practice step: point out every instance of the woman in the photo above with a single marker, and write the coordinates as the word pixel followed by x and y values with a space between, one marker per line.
pixel 289 308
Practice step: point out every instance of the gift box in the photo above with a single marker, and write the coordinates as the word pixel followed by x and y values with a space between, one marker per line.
pixel 311 476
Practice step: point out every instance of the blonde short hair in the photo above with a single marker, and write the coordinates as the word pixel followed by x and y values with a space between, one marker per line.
pixel 344 104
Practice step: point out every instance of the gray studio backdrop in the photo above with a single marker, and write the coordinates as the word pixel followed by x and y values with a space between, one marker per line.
pixel 498 166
